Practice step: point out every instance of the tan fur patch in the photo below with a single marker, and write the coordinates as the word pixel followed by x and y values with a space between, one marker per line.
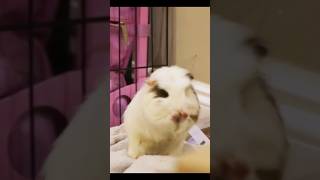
pixel 194 117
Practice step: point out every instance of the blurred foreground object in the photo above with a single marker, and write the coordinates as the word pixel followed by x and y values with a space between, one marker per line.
pixel 196 161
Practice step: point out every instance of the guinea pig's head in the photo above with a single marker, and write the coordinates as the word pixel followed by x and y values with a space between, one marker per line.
pixel 169 98
pixel 236 53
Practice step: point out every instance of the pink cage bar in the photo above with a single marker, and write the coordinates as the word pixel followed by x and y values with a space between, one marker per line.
pixel 120 97
pixel 62 93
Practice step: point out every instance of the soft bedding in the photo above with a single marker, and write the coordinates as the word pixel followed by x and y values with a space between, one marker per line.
pixel 120 162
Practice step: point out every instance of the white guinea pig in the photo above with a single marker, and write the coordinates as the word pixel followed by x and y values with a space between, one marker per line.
pixel 159 116
pixel 249 135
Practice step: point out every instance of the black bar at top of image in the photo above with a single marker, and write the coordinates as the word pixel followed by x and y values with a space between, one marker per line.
pixel 160 3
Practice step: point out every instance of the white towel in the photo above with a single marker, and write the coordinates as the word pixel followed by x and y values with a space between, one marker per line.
pixel 120 162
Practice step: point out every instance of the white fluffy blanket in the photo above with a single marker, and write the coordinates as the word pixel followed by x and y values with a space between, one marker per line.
pixel 120 162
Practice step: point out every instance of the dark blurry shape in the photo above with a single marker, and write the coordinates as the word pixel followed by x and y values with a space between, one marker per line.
pixel 59 71
pixel 90 53
pixel 97 8
pixel 59 42
pixel 82 147
pixel 292 72
pixel 257 46
pixel 129 73
pixel 232 169
pixel 49 123
pixel 159 41
pixel 248 130
pixel 61 93
pixel 17 12
pixel 14 63
pixel 269 174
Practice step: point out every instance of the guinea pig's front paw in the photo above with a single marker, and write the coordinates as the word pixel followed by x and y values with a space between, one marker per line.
pixel 133 153
pixel 179 116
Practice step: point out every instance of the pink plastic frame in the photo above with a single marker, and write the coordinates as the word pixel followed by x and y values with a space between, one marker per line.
pixel 142 47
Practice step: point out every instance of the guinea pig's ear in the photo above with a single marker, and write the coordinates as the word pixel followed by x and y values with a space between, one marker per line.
pixel 258 47
pixel 151 82
pixel 190 76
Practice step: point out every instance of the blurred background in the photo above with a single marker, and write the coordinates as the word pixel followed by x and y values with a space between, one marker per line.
pixel 291 33
pixel 288 27
pixel 53 53
pixel 191 40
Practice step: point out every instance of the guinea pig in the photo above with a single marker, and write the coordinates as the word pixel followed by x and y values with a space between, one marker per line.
pixel 159 116
pixel 249 135
pixel 235 62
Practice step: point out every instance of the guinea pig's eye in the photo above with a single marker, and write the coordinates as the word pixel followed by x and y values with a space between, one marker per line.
pixel 160 92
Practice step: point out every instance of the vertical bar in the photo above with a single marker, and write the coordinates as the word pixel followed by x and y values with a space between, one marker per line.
pixel 151 34
pixel 119 65
pixel 142 41
pixel 136 49
pixel 148 46
pixel 108 57
pixel 83 48
pixel 167 35
pixel 31 90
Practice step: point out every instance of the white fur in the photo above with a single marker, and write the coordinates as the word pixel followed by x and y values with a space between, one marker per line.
pixel 148 120
pixel 251 134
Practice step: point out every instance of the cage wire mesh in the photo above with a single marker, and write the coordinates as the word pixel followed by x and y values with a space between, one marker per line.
pixel 157 56
pixel 50 53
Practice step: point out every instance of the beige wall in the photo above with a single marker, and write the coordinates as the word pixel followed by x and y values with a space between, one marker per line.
pixel 290 28
pixel 191 40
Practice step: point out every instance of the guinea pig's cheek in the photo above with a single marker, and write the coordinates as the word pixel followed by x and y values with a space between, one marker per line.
pixel 159 101
pixel 154 110
pixel 188 122
pixel 160 104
